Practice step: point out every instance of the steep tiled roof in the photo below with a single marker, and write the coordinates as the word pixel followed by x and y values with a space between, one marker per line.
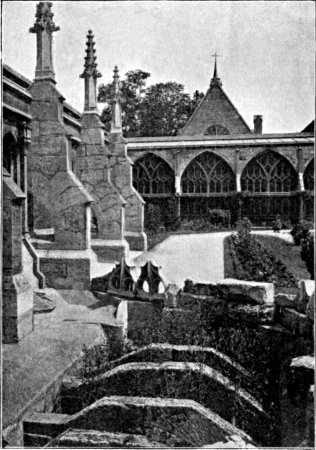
pixel 215 109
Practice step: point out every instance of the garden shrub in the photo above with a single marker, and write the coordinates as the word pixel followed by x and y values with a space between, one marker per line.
pixel 253 262
pixel 308 253
pixel 300 231
pixel 219 216
pixel 243 226
pixel 201 225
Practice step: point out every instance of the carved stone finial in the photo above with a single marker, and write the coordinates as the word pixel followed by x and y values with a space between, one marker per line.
pixel 44 27
pixel 90 65
pixel 116 126
pixel 44 18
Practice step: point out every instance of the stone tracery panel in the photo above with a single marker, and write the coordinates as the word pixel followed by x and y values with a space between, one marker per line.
pixel 309 176
pixel 269 172
pixel 208 174
pixel 153 176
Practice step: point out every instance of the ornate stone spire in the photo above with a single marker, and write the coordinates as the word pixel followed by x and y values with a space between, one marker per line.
pixel 90 75
pixel 215 79
pixel 116 125
pixel 44 27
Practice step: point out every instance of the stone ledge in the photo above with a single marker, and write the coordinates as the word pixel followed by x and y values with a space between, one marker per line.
pixel 92 438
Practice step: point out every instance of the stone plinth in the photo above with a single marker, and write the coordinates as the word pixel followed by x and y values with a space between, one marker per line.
pixel 66 269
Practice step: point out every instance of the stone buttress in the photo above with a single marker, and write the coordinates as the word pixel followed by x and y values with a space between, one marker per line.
pixel 59 200
pixel 16 289
pixel 93 169
pixel 122 176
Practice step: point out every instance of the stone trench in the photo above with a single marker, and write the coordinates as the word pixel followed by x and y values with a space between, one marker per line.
pixel 163 389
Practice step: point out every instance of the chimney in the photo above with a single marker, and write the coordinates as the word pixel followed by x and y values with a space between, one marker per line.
pixel 257 122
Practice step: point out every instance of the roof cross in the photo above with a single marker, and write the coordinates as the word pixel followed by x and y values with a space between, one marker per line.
pixel 215 75
pixel 216 56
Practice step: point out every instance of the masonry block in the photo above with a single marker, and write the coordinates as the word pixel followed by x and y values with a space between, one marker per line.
pixel 66 273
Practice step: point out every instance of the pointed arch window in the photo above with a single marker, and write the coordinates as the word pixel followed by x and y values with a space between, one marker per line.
pixel 10 156
pixel 153 176
pixel 206 174
pixel 216 130
pixel 309 176
pixel 269 173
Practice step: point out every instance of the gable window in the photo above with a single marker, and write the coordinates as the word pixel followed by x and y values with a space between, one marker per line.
pixel 216 130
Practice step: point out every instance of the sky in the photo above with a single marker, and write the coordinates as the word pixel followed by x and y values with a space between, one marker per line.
pixel 267 63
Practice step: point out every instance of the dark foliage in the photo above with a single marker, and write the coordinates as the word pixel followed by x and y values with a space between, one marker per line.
pixel 300 231
pixel 158 110
pixel 308 253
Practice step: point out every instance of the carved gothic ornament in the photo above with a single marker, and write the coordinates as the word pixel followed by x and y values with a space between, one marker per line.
pixel 121 281
pixel 149 285
pixel 44 18
pixel 90 65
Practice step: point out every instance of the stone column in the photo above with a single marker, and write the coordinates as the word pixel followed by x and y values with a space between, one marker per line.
pixel 238 169
pixel 301 188
pixel 178 185
pixel 238 182
pixel 26 142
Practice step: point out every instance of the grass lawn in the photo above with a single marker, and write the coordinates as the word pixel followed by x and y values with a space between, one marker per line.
pixel 288 253
pixel 285 251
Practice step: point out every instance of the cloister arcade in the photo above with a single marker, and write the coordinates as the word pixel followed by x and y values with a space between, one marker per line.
pixel 269 185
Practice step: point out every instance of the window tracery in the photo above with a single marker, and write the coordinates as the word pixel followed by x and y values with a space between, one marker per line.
pixel 208 173
pixel 269 173
pixel 153 176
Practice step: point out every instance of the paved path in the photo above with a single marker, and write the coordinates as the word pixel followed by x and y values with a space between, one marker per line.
pixel 199 257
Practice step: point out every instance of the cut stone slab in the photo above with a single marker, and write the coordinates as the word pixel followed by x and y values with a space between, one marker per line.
pixel 305 362
pixel 285 300
pixel 250 291
pixel 306 288
pixel 232 442
pixel 33 371
pixel 92 438
pixel 42 304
